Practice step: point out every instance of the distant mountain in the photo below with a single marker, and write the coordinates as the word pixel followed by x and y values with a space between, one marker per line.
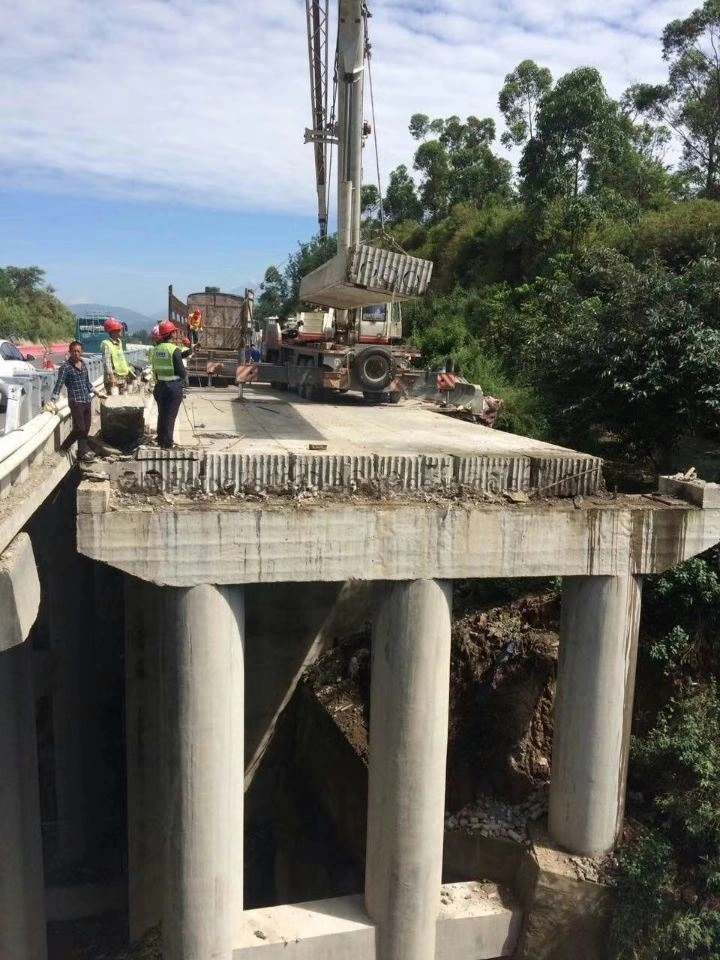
pixel 134 320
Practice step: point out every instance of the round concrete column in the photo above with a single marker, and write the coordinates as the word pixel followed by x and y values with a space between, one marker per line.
pixel 593 708
pixel 202 688
pixel 22 904
pixel 143 644
pixel 408 746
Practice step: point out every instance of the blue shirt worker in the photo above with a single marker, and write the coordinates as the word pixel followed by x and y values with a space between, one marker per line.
pixel 73 375
pixel 169 371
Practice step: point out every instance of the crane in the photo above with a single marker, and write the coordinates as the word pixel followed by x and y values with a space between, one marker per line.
pixel 359 275
pixel 317 28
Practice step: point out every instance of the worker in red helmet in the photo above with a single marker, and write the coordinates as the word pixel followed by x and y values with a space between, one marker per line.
pixel 195 324
pixel 116 370
pixel 170 374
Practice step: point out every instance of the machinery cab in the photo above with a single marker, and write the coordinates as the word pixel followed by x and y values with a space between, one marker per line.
pixel 380 323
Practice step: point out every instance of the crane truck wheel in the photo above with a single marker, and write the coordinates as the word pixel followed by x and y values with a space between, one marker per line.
pixel 375 369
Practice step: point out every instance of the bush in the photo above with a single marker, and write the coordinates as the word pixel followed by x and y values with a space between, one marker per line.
pixel 668 904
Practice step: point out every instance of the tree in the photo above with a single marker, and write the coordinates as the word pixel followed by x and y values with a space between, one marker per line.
pixel 458 164
pixel 519 100
pixel 689 103
pixel 273 294
pixel 28 309
pixel 401 199
pixel 576 124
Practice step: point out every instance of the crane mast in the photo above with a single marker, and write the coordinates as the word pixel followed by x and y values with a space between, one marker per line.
pixel 317 28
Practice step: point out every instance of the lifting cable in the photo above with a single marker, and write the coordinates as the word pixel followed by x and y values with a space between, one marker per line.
pixel 368 49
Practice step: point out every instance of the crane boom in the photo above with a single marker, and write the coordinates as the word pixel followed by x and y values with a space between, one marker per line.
pixel 317 29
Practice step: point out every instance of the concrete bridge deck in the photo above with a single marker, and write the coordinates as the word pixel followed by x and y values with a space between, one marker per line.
pixel 271 438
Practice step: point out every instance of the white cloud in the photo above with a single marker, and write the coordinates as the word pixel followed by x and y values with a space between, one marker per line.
pixel 206 101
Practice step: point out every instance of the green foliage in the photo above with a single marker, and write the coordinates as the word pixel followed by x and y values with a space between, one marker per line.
pixel 28 309
pixel 682 619
pixel 689 103
pixel 668 905
pixel 519 100
pixel 455 167
pixel 440 328
pixel 678 234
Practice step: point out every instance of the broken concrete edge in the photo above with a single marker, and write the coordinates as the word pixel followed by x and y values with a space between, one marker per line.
pixel 476 921
pixel 191 471
pixel 93 496
pixel 698 492
pixel 19 592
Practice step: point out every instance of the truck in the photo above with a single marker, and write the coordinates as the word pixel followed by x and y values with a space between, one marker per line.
pixel 90 331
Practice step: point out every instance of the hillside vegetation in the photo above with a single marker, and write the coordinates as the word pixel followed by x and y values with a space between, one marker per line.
pixel 28 308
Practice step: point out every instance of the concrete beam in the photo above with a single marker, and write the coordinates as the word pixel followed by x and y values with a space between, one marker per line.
pixel 473 924
pixel 409 691
pixel 599 623
pixel 203 697
pixel 19 592
pixel 350 539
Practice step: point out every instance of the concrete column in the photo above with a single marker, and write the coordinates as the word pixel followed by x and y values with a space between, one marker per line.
pixel 593 708
pixel 22 903
pixel 22 906
pixel 408 745
pixel 143 637
pixel 70 619
pixel 203 696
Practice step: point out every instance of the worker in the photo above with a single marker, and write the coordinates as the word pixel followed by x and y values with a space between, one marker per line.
pixel 170 374
pixel 116 370
pixel 155 337
pixel 73 375
pixel 195 325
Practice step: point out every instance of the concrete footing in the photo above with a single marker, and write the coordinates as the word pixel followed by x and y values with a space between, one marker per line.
pixel 593 708
pixel 203 699
pixel 410 677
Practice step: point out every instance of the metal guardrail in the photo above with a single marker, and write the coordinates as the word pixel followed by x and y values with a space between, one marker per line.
pixel 24 397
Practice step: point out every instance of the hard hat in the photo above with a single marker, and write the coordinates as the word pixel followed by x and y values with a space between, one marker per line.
pixel 155 332
pixel 185 342
pixel 165 328
pixel 112 325
pixel 197 314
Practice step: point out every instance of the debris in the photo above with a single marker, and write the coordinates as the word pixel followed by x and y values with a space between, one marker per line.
pixel 516 496
pixel 317 446
pixel 260 935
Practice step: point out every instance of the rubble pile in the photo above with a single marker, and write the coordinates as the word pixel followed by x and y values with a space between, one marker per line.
pixel 491 817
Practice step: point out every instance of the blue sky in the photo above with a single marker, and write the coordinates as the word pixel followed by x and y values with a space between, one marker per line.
pixel 144 142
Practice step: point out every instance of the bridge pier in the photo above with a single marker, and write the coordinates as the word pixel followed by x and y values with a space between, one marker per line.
pixel 22 904
pixel 599 626
pixel 410 680
pixel 143 642
pixel 203 719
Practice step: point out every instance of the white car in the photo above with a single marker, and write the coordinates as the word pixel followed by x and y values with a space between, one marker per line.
pixel 13 363
pixel 13 366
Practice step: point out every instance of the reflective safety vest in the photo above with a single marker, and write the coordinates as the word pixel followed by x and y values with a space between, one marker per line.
pixel 117 357
pixel 162 361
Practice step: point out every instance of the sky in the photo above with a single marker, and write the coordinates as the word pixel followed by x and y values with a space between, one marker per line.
pixel 148 142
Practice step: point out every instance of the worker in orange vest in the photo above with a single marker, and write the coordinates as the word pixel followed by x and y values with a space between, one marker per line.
pixel 195 324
